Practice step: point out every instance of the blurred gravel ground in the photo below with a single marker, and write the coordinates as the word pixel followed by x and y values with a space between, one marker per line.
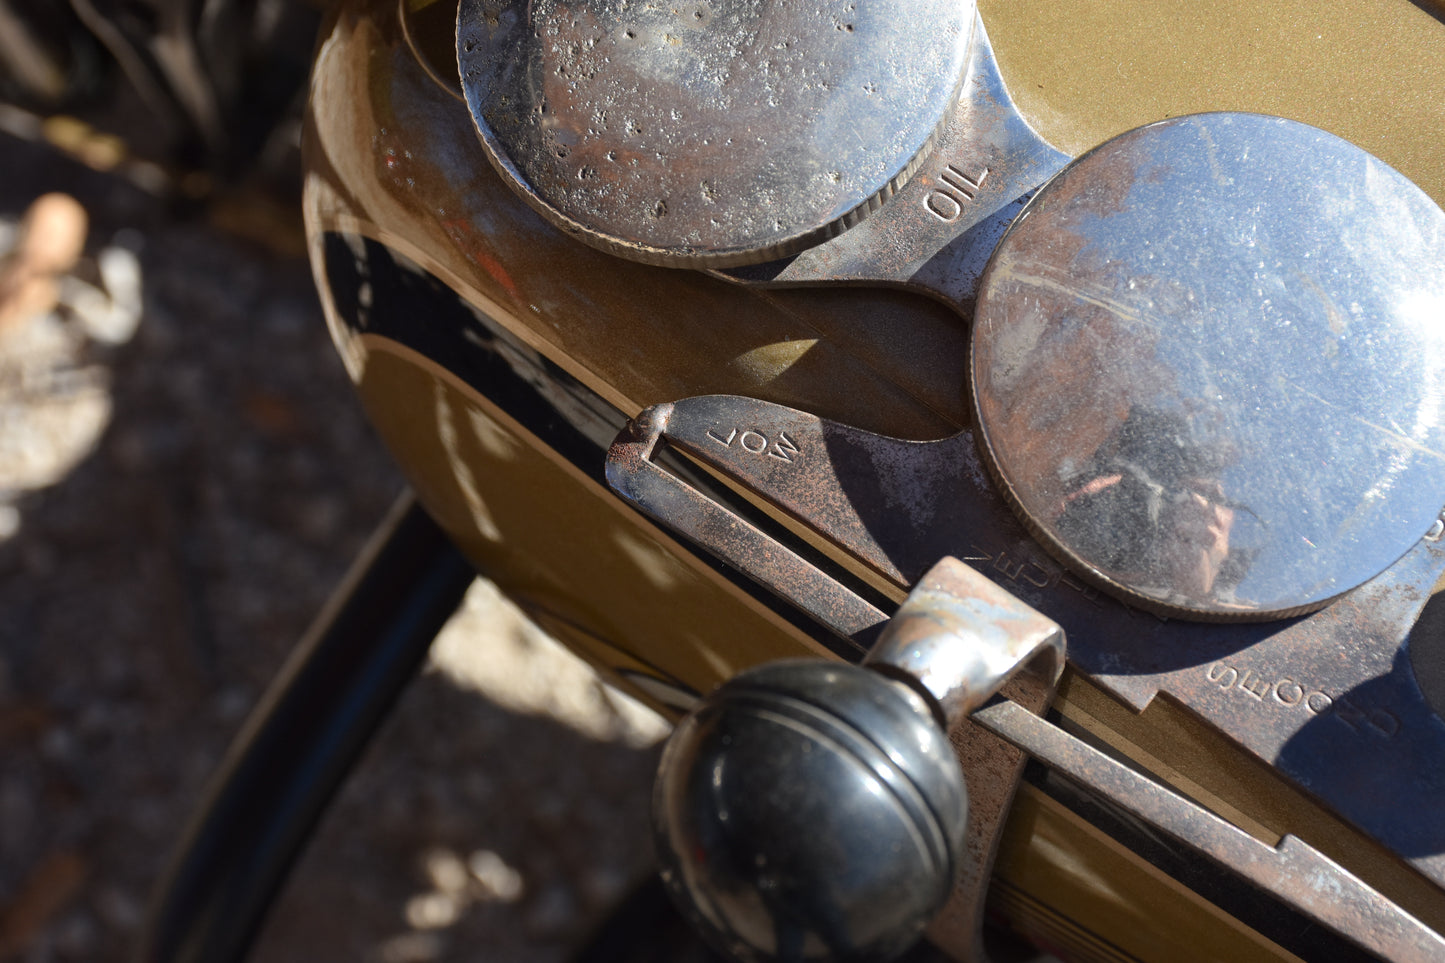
pixel 176 502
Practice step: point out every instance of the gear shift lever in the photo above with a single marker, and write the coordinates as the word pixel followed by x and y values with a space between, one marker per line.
pixel 811 810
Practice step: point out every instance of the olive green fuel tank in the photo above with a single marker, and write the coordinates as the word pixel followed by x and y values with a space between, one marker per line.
pixel 496 357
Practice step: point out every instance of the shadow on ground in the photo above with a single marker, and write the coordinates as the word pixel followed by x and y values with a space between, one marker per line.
pixel 148 595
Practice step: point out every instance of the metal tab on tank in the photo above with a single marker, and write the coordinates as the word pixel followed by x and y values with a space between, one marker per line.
pixel 709 132
pixel 1209 366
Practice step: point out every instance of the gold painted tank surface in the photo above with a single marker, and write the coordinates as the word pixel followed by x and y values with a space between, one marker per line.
pixel 497 358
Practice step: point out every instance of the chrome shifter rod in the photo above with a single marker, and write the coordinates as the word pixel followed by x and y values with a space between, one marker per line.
pixel 813 810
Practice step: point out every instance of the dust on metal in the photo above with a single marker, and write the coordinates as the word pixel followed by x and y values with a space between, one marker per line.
pixel 709 132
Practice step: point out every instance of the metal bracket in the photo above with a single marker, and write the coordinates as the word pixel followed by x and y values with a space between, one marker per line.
pixel 966 639
pixel 893 503
pixel 660 494
pixel 937 232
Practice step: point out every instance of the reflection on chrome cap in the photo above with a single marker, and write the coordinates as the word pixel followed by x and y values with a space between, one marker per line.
pixel 1209 366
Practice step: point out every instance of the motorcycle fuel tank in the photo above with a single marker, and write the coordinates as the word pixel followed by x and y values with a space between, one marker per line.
pixel 504 316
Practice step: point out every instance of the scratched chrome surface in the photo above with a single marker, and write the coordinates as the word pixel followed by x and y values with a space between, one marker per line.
pixel 709 132
pixel 936 232
pixel 963 637
pixel 1206 366
pixel 1330 700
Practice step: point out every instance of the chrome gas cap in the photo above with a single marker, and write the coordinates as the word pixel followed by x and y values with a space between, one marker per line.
pixel 709 133
pixel 1209 366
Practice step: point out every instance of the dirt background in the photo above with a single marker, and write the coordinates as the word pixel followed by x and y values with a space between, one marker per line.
pixel 184 477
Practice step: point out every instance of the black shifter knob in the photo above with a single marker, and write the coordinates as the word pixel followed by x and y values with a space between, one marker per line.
pixel 810 810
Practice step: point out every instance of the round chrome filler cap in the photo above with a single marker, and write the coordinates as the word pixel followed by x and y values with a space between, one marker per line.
pixel 709 132
pixel 1209 366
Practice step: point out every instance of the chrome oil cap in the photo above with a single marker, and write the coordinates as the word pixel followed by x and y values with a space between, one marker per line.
pixel 709 133
pixel 1209 366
